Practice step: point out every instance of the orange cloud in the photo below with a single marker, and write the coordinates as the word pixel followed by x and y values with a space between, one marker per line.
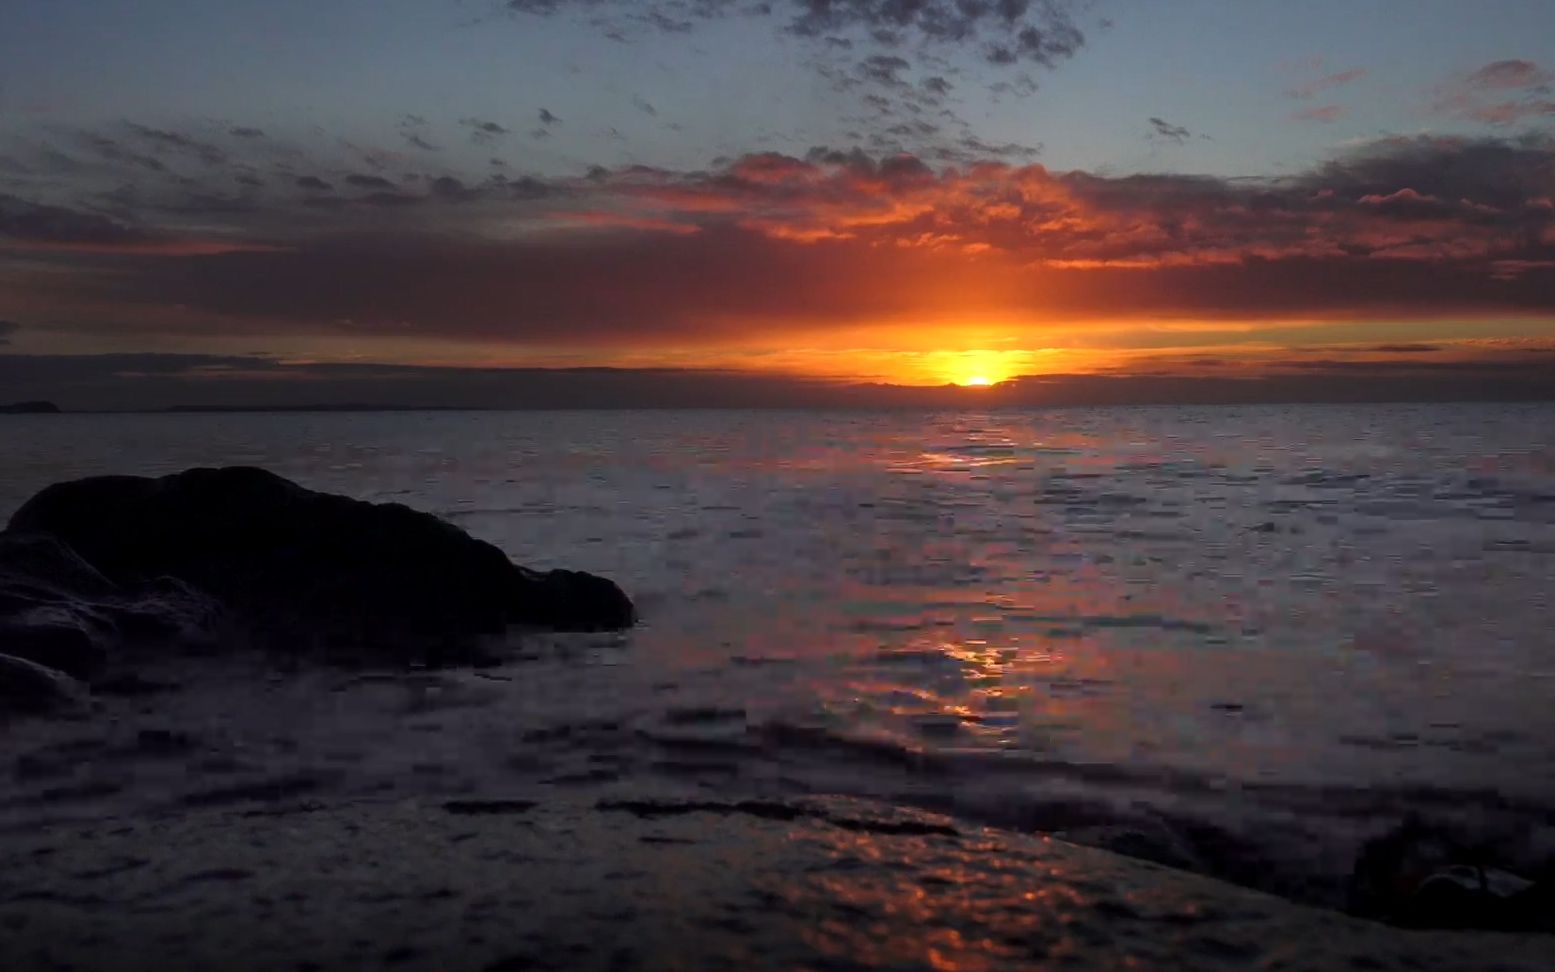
pixel 1367 207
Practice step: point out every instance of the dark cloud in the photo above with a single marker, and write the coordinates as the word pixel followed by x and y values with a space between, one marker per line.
pixel 526 188
pixel 68 368
pixel 884 69
pixel 111 150
pixel 1021 86
pixel 164 140
pixel 27 222
pixel 547 118
pixel 483 131
pixel 1003 30
pixel 1000 31
pixel 313 184
pixel 870 50
pixel 1169 132
pixel 411 129
pixel 1405 348
pixel 450 188
pixel 1506 176
pixel 918 128
pixel 8 328
pixel 360 181
pixel 642 105
pixel 245 132
pixel 970 149
pixel 545 291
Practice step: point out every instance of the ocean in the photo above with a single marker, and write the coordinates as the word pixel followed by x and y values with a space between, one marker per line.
pixel 1274 629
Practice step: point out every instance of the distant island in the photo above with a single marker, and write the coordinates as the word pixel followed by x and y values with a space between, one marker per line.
pixel 30 408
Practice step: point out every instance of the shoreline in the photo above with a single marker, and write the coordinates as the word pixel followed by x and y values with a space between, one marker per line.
pixel 508 884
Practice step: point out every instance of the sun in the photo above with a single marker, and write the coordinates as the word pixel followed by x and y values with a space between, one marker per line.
pixel 977 381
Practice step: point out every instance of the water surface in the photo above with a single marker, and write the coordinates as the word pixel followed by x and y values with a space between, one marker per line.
pixel 1299 617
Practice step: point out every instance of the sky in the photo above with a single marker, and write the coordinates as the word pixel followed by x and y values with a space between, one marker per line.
pixel 520 203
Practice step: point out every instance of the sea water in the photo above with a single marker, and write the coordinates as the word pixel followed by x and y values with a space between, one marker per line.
pixel 1291 624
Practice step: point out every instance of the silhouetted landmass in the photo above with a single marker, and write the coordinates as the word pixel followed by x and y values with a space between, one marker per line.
pixel 30 408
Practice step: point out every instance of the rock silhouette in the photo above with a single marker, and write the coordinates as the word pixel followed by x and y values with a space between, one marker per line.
pixel 90 566
pixel 260 542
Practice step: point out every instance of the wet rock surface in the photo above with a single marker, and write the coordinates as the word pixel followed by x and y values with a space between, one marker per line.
pixel 562 884
pixel 59 611
pixel 1426 875
pixel 26 686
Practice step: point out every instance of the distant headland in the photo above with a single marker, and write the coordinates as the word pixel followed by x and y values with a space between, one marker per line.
pixel 30 408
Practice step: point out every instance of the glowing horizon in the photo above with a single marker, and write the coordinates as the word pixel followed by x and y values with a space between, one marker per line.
pixel 900 205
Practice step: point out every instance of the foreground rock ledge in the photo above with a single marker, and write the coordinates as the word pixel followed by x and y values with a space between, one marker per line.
pixel 90 564
pixel 506 884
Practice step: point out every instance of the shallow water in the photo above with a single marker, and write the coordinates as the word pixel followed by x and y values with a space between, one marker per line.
pixel 1295 620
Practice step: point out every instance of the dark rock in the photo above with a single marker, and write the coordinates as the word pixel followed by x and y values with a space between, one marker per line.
pixel 166 609
pixel 59 611
pixel 63 637
pixel 35 569
pixel 26 686
pixel 278 551
pixel 1424 875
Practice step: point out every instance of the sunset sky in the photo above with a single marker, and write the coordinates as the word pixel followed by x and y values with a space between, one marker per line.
pixel 733 202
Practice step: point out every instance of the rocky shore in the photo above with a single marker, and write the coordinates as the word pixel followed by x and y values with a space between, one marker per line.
pixel 488 883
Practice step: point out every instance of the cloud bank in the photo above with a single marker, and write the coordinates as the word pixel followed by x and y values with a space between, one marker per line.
pixel 1424 226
